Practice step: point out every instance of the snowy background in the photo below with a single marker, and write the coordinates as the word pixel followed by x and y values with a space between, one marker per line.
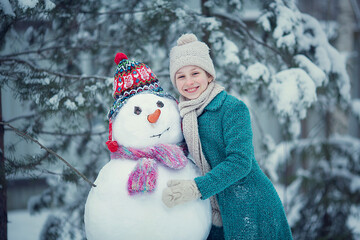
pixel 296 64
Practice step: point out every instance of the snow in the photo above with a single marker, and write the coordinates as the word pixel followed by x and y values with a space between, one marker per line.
pixel 231 51
pixel 55 100
pixel 6 7
pixel 80 99
pixel 292 92
pixel 327 57
pixel 298 32
pixel 210 22
pixel 49 5
pixel 355 107
pixel 257 71
pixel 284 32
pixel 25 4
pixel 353 221
pixel 317 75
pixel 70 105
pixel 30 225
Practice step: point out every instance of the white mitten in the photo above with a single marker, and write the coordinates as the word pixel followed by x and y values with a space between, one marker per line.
pixel 180 191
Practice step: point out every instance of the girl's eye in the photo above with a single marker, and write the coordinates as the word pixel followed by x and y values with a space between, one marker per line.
pixel 160 104
pixel 179 77
pixel 195 73
pixel 137 110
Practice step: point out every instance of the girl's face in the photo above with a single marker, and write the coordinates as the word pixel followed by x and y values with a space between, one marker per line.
pixel 191 81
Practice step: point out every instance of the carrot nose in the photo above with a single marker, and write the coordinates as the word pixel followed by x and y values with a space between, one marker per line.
pixel 152 118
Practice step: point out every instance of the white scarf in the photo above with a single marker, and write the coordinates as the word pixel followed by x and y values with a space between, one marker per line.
pixel 189 111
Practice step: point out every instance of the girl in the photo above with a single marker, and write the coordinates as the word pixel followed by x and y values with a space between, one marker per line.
pixel 217 130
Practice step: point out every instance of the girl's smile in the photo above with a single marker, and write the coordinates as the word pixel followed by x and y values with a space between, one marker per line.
pixel 192 81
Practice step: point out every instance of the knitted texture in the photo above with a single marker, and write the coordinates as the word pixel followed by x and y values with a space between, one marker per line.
pixel 249 204
pixel 189 111
pixel 143 177
pixel 130 78
pixel 190 51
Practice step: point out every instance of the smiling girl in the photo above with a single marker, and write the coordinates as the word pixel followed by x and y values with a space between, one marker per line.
pixel 217 130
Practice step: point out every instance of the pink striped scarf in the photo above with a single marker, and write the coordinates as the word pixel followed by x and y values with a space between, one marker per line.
pixel 143 178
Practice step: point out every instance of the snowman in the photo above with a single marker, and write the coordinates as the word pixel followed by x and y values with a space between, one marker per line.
pixel 144 140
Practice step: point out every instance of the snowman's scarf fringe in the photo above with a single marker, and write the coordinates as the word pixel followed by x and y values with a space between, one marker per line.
pixel 143 177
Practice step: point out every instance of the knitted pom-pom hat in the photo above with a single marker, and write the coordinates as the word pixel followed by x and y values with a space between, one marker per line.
pixel 190 51
pixel 131 77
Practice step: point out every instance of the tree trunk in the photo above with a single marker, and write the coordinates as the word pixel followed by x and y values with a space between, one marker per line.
pixel 3 206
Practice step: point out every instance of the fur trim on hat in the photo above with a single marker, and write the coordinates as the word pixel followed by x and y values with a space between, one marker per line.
pixel 190 51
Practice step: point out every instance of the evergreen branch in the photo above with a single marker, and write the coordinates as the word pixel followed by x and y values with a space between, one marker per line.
pixel 58 74
pixel 248 32
pixel 71 134
pixel 20 117
pixel 24 135
pixel 39 51
pixel 117 12
pixel 63 134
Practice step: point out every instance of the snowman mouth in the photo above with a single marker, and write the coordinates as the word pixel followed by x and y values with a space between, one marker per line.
pixel 159 135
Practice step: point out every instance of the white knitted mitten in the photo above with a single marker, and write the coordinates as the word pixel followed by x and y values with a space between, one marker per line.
pixel 180 191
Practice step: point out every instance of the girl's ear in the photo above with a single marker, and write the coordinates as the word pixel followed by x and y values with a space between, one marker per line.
pixel 210 77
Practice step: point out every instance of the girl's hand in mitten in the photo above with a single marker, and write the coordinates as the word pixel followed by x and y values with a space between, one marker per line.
pixel 180 191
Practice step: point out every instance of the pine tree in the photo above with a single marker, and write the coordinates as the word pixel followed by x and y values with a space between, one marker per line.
pixel 57 58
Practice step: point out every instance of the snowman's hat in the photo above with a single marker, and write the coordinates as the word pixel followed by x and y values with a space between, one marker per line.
pixel 131 78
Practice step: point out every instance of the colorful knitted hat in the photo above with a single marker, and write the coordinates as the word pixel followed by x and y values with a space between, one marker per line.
pixel 190 51
pixel 131 77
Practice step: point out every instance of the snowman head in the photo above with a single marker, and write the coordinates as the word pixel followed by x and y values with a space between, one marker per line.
pixel 143 114
pixel 147 119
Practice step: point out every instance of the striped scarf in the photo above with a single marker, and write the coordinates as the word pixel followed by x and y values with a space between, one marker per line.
pixel 143 178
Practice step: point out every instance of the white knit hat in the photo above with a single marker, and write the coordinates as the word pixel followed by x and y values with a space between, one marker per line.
pixel 190 51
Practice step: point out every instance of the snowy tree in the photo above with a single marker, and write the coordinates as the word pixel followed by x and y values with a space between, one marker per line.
pixel 57 58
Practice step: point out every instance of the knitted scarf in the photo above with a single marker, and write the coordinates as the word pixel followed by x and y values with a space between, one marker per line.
pixel 189 111
pixel 143 178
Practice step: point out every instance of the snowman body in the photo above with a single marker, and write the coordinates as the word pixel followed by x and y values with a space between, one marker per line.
pixel 111 213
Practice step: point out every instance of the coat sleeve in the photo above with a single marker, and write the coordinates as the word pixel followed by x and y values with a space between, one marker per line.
pixel 239 151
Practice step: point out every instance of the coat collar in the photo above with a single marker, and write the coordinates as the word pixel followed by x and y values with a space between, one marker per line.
pixel 217 102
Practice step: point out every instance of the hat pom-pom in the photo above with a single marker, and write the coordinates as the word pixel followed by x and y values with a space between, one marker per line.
pixel 186 38
pixel 112 146
pixel 119 57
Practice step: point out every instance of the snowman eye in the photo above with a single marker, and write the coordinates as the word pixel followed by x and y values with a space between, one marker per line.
pixel 137 110
pixel 160 104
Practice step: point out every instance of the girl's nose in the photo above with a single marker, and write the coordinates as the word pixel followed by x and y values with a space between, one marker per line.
pixel 152 118
pixel 189 81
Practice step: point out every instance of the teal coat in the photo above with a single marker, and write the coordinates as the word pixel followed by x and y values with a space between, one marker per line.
pixel 249 204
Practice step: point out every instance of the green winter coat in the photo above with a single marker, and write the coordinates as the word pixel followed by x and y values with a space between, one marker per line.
pixel 249 204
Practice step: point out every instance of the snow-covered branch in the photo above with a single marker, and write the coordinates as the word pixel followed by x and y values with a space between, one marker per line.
pixel 58 74
pixel 27 136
